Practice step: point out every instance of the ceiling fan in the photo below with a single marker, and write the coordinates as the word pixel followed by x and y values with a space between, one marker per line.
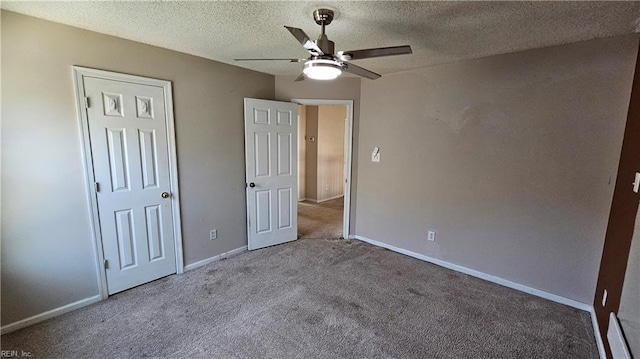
pixel 324 64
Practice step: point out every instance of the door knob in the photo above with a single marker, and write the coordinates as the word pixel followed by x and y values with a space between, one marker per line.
pixel 165 195
pixel 252 184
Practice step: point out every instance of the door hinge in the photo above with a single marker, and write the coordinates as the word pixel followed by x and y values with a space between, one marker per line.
pixel 106 264
pixel 87 104
pixel 96 186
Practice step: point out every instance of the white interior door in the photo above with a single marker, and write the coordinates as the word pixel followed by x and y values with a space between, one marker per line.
pixel 129 148
pixel 271 154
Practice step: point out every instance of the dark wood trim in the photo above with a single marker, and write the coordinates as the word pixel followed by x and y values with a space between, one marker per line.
pixel 624 207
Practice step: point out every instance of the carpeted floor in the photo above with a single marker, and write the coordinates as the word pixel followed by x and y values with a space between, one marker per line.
pixel 321 220
pixel 315 298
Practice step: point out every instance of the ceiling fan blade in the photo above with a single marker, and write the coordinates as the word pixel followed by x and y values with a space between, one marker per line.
pixel 290 60
pixel 305 41
pixel 357 70
pixel 300 78
pixel 377 52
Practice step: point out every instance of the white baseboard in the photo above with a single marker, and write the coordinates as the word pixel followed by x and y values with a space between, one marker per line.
pixel 320 200
pixel 87 301
pixel 221 256
pixel 481 275
pixel 49 314
pixel 329 199
pixel 504 282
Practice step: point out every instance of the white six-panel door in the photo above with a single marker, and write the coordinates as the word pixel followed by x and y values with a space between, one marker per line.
pixel 129 148
pixel 271 171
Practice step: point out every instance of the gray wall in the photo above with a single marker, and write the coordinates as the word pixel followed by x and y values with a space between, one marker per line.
pixel 47 254
pixel 343 88
pixel 511 159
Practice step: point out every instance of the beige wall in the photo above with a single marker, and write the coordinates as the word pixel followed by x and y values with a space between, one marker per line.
pixel 302 152
pixel 47 253
pixel 511 159
pixel 344 88
pixel 324 155
pixel 311 173
pixel 331 125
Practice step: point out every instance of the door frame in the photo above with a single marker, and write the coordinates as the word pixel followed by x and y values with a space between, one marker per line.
pixel 346 219
pixel 79 73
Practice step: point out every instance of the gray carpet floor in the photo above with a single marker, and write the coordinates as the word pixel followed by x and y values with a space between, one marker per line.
pixel 315 298
pixel 320 220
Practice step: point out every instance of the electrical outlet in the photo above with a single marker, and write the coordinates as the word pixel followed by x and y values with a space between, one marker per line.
pixel 604 298
pixel 213 234
pixel 431 236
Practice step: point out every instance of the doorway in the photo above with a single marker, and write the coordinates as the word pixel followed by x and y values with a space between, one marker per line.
pixel 324 168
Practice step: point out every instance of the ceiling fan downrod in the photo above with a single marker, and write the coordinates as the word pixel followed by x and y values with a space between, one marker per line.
pixel 323 17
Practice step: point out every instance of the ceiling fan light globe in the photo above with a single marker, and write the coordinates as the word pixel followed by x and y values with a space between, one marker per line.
pixel 322 69
pixel 322 73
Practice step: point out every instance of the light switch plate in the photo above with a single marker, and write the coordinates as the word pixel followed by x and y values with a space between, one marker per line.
pixel 636 183
pixel 375 154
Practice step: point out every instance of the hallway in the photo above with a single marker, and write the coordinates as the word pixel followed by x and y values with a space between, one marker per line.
pixel 320 220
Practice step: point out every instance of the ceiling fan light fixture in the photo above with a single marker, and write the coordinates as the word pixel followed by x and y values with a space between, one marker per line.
pixel 321 69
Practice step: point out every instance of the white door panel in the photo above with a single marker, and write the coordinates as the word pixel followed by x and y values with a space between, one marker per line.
pixel 271 172
pixel 129 148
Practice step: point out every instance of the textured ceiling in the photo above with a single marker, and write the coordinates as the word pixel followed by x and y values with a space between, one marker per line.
pixel 438 32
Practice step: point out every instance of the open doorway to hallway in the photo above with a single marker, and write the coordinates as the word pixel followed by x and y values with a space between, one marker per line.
pixel 322 159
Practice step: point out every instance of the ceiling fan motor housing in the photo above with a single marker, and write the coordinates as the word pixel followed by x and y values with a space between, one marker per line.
pixel 327 46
